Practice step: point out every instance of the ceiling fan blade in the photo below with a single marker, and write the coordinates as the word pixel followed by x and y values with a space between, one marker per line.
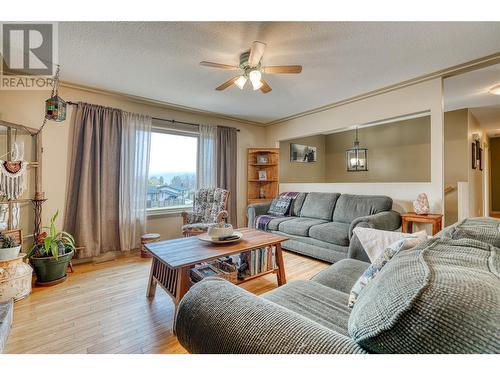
pixel 217 65
pixel 265 87
pixel 284 69
pixel 256 53
pixel 226 84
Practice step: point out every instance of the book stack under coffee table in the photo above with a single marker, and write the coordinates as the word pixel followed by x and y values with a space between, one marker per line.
pixel 173 259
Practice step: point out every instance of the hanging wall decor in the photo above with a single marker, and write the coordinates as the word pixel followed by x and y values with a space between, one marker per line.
pixel 357 157
pixel 12 181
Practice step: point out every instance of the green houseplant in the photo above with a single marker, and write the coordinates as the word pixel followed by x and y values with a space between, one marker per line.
pixel 9 248
pixel 51 254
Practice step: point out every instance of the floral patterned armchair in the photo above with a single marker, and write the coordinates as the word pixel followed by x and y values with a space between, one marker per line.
pixel 208 203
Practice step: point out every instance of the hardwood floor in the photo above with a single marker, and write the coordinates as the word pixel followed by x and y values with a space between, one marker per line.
pixel 102 308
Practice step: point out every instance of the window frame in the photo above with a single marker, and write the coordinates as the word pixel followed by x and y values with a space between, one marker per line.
pixel 176 210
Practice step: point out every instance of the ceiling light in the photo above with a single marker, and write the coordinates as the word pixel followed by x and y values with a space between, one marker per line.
pixel 256 85
pixel 240 82
pixel 495 90
pixel 255 76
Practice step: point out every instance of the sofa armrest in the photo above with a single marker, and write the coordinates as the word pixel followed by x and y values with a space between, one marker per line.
pixel 216 316
pixel 254 210
pixel 387 220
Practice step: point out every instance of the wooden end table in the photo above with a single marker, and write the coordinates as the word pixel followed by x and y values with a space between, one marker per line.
pixel 409 218
pixel 173 259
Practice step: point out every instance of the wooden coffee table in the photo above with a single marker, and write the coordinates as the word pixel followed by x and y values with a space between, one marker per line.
pixel 173 259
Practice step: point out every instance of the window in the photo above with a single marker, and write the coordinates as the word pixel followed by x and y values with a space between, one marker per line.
pixel 172 170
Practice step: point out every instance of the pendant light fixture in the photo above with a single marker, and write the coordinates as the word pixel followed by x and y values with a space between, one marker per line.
pixel 357 157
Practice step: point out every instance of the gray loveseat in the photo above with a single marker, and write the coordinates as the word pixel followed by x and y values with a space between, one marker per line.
pixel 321 224
pixel 441 297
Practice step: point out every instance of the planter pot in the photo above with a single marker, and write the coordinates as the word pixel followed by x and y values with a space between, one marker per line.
pixel 49 270
pixel 9 253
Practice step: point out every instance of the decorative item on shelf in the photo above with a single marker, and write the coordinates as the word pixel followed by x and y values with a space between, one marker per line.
pixel 357 157
pixel 145 239
pixel 227 269
pixel 262 175
pixel 199 272
pixel 262 193
pixel 12 181
pixel 37 206
pixel 421 204
pixel 55 107
pixel 51 254
pixel 262 159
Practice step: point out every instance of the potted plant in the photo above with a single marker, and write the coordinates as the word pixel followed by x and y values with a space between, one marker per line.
pixel 9 249
pixel 51 254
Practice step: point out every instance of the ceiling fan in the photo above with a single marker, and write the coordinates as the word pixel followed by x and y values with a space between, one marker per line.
pixel 252 69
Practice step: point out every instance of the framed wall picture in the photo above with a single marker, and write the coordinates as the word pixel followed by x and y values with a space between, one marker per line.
pixel 474 155
pixel 480 158
pixel 262 175
pixel 262 159
pixel 303 153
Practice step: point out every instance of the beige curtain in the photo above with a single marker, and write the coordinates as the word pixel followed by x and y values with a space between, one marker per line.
pixel 226 167
pixel 92 205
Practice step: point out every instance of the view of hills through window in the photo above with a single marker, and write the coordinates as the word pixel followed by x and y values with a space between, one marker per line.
pixel 172 171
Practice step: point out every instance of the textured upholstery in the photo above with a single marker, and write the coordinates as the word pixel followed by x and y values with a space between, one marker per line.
pixel 350 207
pixel 319 205
pixel 334 232
pixel 200 226
pixel 329 240
pixel 386 220
pixel 254 210
pixel 274 223
pixel 216 316
pixel 356 250
pixel 319 303
pixel 298 203
pixel 299 225
pixel 208 202
pixel 441 297
pixel 6 311
pixel 485 229
pixel 314 248
pixel 342 275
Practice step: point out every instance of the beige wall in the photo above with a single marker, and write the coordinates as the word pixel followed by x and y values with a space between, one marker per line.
pixel 392 152
pixel 27 108
pixel 421 97
pixel 300 172
pixel 456 161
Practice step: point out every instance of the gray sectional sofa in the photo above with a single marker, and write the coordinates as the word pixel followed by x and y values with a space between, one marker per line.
pixel 321 224
pixel 441 297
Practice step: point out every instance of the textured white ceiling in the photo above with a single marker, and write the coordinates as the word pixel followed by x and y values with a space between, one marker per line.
pixel 489 119
pixel 339 59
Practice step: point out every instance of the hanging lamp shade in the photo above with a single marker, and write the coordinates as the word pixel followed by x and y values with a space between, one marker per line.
pixel 357 157
pixel 55 109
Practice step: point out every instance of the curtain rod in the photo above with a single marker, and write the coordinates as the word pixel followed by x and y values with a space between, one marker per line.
pixel 163 119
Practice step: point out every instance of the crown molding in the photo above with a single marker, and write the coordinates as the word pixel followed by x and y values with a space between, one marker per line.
pixel 444 73
pixel 156 103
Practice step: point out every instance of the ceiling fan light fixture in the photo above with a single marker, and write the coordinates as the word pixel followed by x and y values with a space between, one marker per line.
pixel 256 85
pixel 495 90
pixel 255 76
pixel 240 82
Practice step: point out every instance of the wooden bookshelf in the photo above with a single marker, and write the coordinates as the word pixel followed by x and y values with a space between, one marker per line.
pixel 258 190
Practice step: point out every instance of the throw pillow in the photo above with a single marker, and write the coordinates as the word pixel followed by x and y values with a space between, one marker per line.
pixel 381 261
pixel 375 241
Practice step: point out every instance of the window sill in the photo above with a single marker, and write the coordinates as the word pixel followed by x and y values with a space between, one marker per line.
pixel 167 212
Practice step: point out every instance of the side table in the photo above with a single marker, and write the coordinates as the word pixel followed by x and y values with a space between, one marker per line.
pixel 409 218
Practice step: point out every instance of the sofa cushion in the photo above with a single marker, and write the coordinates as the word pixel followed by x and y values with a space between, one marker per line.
pixel 441 297
pixel 334 232
pixel 274 223
pixel 341 275
pixel 299 225
pixel 319 205
pixel 297 204
pixel 350 207
pixel 319 303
